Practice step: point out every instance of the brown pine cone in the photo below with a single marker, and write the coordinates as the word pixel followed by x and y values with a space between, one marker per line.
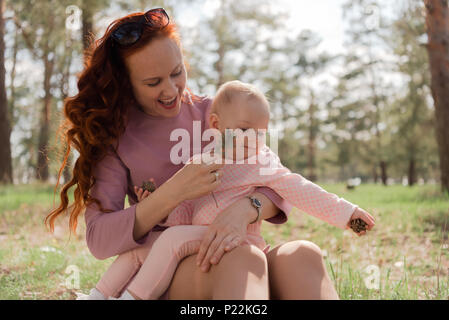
pixel 358 225
pixel 148 186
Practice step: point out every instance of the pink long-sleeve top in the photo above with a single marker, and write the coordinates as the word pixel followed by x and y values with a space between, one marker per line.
pixel 265 169
pixel 143 152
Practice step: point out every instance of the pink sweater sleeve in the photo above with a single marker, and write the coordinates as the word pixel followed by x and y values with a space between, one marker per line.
pixel 294 189
pixel 314 200
pixel 304 194
pixel 281 203
pixel 110 233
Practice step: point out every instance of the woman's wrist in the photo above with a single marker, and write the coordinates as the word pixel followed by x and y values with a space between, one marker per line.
pixel 267 210
pixel 172 197
pixel 252 212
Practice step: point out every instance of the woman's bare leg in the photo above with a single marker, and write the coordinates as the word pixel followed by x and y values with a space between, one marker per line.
pixel 241 274
pixel 297 271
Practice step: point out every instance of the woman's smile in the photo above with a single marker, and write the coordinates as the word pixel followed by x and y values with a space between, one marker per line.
pixel 168 104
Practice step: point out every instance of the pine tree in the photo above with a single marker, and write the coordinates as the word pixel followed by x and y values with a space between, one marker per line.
pixel 437 22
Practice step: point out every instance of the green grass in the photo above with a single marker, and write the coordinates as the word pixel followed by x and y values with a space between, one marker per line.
pixel 409 247
pixel 12 197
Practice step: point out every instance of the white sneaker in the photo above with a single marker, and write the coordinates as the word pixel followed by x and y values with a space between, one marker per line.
pixel 81 296
pixel 125 296
pixel 94 295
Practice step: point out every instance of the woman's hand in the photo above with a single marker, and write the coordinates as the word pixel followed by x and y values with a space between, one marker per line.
pixel 194 180
pixel 190 182
pixel 227 231
pixel 140 193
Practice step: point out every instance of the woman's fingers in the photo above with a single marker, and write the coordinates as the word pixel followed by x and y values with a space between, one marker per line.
pixel 216 257
pixel 138 193
pixel 234 243
pixel 210 252
pixel 226 243
pixel 213 166
pixel 213 177
pixel 208 238
pixel 230 242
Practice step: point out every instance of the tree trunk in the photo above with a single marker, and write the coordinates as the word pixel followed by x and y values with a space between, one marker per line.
pixel 220 65
pixel 375 175
pixel 437 23
pixel 411 171
pixel 311 145
pixel 64 89
pixel 5 125
pixel 87 21
pixel 221 51
pixel 383 172
pixel 42 172
pixel 12 100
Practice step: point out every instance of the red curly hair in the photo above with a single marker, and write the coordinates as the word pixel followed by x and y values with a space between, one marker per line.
pixel 96 116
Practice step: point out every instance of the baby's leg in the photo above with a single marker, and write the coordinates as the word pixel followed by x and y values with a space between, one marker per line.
pixel 170 248
pixel 118 274
pixel 124 268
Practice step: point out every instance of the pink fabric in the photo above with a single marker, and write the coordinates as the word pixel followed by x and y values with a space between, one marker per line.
pixel 238 180
pixel 148 270
pixel 143 152
pixel 123 269
pixel 172 246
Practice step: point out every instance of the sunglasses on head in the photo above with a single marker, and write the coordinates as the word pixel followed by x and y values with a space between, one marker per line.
pixel 129 33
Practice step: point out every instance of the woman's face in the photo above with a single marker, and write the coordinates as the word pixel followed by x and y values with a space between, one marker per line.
pixel 158 77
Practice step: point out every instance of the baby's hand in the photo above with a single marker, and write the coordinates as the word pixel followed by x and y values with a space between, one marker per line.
pixel 365 217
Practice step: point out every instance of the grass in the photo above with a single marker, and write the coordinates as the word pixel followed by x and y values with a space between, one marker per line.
pixel 407 251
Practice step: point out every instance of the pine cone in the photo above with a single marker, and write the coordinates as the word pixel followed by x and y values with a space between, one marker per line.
pixel 148 186
pixel 358 225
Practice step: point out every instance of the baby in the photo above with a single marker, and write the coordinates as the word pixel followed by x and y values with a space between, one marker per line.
pixel 235 106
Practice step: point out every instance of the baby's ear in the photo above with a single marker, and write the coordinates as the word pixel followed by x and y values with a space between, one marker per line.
pixel 214 121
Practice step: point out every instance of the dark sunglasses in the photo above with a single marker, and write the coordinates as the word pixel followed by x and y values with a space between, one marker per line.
pixel 129 33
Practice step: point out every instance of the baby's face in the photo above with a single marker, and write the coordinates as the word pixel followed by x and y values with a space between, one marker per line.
pixel 247 123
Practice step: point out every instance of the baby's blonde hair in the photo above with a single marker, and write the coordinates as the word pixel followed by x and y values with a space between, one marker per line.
pixel 231 89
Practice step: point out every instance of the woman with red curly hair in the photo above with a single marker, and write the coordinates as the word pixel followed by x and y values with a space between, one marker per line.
pixel 132 96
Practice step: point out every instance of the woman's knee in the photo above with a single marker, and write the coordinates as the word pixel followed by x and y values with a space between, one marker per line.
pixel 300 251
pixel 189 282
pixel 245 258
pixel 309 249
pixel 234 267
pixel 297 271
pixel 241 274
